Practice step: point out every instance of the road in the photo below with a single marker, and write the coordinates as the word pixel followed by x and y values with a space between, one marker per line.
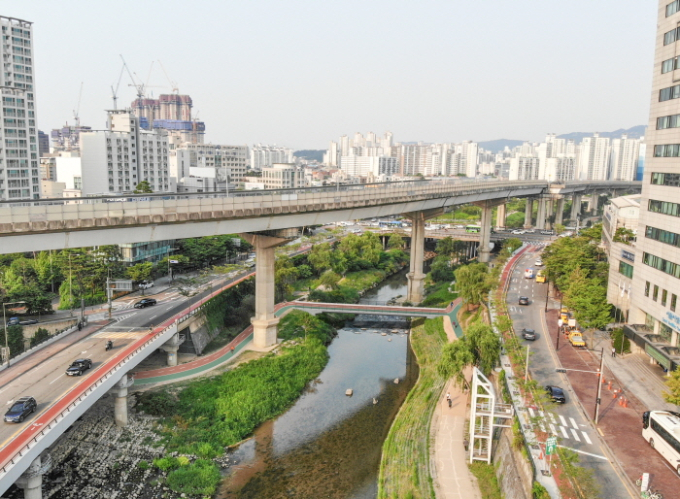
pixel 569 421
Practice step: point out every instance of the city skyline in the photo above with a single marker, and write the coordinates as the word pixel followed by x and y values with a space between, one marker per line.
pixel 297 75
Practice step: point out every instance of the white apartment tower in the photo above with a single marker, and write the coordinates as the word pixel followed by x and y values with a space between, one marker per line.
pixel 114 161
pixel 624 158
pixel 594 158
pixel 262 156
pixel 19 161
pixel 656 277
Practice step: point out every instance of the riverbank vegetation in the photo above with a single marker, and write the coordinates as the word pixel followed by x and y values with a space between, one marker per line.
pixel 405 462
pixel 208 415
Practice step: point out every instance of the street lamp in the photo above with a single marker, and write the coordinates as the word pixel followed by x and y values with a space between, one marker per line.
pixel 4 316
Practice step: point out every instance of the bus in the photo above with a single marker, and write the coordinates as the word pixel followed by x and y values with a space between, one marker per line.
pixel 662 430
pixel 473 228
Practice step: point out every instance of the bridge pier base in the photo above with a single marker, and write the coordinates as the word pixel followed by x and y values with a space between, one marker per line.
pixel 528 213
pixel 594 202
pixel 171 347
pixel 485 233
pixel 120 393
pixel 31 480
pixel 500 215
pixel 265 322
pixel 416 277
pixel 540 215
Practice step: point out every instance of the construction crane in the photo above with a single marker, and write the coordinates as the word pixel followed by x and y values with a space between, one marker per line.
pixel 76 111
pixel 173 84
pixel 114 93
pixel 138 86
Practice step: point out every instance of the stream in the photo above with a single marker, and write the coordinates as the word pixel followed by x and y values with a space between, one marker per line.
pixel 328 445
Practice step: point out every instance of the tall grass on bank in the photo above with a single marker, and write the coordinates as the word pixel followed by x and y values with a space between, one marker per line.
pixel 221 411
pixel 405 463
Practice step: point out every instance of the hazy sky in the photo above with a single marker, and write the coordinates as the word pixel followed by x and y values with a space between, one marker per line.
pixel 302 72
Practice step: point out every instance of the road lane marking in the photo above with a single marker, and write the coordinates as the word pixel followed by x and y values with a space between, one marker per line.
pixel 532 413
pixel 585 435
pixel 10 401
pixel 583 452
pixel 56 379
pixel 553 429
pixel 552 417
pixel 563 421
pixel 573 432
pixel 573 423
pixel 564 432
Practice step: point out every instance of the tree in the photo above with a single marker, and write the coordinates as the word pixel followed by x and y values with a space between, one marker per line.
pixel 593 233
pixel 143 188
pixel 329 280
pixel 320 257
pixel 472 283
pixel 559 228
pixel 512 244
pixel 284 276
pixel 15 340
pixel 479 347
pixel 624 235
pixel 140 272
pixel 588 300
pixel 672 396
pixel 395 242
pixel 440 270
pixel 446 246
pixel 40 335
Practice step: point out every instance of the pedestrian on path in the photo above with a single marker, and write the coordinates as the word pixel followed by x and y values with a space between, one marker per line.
pixel 614 352
pixel 232 350
pixel 448 398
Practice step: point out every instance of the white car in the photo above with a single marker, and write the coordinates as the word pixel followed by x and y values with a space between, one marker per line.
pixel 529 231
pixel 459 227
pixel 518 232
pixel 538 263
pixel 145 285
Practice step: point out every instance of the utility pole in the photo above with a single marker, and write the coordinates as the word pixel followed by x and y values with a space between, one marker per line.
pixel 526 368
pixel 599 386
pixel 108 294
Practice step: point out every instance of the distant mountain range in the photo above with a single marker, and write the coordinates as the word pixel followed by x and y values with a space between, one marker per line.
pixel 310 154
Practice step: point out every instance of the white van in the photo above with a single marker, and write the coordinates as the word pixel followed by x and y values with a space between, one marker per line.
pixel 529 274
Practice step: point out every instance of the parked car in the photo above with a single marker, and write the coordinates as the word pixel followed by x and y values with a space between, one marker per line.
pixel 78 367
pixel 576 339
pixel 28 322
pixel 523 300
pixel 146 284
pixel 547 232
pixel 556 394
pixel 13 321
pixel 528 334
pixel 518 232
pixel 146 302
pixel 529 231
pixel 20 409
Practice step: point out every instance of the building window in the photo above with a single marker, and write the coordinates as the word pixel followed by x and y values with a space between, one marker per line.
pixel 674 302
pixel 667 151
pixel 663 236
pixel 664 122
pixel 664 266
pixel 649 321
pixel 647 289
pixel 664 207
pixel 672 8
pixel 626 269
pixel 664 297
pixel 655 293
pixel 669 65
pixel 671 179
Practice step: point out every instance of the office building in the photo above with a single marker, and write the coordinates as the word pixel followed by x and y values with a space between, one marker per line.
pixel 656 276
pixel 207 167
pixel 19 160
pixel 43 144
pixel 283 176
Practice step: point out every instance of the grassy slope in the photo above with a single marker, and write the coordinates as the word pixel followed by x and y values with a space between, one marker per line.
pixel 405 463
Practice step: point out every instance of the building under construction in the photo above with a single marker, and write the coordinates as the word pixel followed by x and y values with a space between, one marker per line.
pixel 171 112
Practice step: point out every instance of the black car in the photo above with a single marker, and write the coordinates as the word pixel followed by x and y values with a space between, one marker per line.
pixel 146 302
pixel 78 367
pixel 556 394
pixel 528 334
pixel 20 409
pixel 523 300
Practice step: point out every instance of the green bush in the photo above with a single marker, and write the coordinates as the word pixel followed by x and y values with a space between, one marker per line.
pixel 299 324
pixel 143 465
pixel 206 451
pixel 539 491
pixel 157 403
pixel 618 338
pixel 166 463
pixel 199 478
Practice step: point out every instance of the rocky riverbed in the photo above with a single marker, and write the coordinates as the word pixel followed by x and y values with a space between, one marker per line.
pixel 95 459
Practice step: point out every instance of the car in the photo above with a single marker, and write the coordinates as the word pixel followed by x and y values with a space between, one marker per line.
pixel 146 302
pixel 28 322
pixel 518 232
pixel 458 226
pixel 529 231
pixel 523 300
pixel 556 394
pixel 329 236
pixel 20 409
pixel 146 284
pixel 78 367
pixel 539 263
pixel 13 321
pixel 528 334
pixel 529 273
pixel 547 233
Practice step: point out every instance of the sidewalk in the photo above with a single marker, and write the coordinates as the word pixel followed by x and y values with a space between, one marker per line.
pixel 453 479
pixel 620 427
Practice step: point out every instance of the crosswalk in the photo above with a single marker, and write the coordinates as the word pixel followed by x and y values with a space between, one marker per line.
pixel 567 430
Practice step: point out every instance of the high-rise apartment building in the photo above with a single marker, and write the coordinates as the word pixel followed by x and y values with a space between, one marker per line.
pixel 624 158
pixel 19 167
pixel 594 158
pixel 656 277
pixel 262 156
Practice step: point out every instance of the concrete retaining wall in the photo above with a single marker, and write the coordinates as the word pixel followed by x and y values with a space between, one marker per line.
pixel 514 472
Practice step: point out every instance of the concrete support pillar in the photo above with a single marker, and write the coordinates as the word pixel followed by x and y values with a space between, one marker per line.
pixel 560 211
pixel 120 392
pixel 415 277
pixel 31 480
pixel 594 202
pixel 500 215
pixel 528 213
pixel 540 215
pixel 485 233
pixel 264 323
pixel 575 206
pixel 171 347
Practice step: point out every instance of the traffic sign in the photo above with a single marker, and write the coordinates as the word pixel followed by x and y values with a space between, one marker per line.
pixel 550 446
